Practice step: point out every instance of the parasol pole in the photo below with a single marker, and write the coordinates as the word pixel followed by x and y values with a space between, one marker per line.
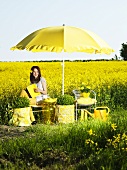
pixel 63 77
pixel 63 73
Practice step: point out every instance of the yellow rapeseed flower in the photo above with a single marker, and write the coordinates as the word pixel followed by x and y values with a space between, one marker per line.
pixel 95 74
pixel 124 136
pixel 87 141
pixel 109 140
pixel 113 126
pixel 90 132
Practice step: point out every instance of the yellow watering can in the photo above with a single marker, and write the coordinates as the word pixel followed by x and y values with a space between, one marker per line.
pixel 101 112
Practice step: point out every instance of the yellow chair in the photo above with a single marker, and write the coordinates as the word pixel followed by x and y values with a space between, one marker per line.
pixel 84 103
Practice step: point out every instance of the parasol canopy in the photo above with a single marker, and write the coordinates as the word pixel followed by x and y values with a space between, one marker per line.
pixel 64 38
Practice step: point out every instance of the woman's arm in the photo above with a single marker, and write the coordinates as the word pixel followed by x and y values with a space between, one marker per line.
pixel 44 91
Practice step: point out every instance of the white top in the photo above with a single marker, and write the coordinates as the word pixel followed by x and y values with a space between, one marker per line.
pixel 39 85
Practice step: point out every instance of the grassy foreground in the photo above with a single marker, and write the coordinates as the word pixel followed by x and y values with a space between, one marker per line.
pixel 93 144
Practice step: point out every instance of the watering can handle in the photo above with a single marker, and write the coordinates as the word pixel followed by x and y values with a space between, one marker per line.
pixel 103 107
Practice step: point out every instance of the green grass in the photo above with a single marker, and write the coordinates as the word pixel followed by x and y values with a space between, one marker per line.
pixel 92 144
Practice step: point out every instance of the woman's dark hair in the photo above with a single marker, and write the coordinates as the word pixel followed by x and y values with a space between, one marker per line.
pixel 32 78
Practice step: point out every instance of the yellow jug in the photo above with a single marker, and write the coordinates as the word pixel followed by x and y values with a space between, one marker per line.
pixel 101 112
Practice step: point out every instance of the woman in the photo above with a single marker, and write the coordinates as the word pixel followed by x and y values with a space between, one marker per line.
pixel 35 78
pixel 41 88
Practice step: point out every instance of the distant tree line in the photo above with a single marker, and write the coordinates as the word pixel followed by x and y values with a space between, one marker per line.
pixel 112 59
pixel 87 60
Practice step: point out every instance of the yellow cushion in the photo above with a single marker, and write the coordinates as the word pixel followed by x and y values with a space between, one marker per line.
pixel 86 101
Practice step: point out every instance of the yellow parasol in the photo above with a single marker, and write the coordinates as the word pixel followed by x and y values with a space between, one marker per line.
pixel 64 38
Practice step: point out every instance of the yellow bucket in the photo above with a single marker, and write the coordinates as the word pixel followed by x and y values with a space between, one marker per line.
pixel 101 112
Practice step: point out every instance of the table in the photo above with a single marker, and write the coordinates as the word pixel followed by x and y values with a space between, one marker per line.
pixel 44 112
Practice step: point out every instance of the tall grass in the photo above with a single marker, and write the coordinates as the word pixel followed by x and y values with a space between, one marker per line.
pixel 93 144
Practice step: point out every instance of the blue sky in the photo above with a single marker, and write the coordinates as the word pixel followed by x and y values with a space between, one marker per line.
pixel 18 18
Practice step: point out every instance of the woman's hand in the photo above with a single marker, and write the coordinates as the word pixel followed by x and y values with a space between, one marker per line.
pixel 37 90
pixel 44 91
